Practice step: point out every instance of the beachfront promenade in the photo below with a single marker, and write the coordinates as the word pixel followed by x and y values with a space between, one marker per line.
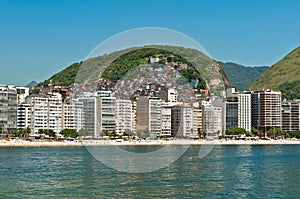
pixel 16 143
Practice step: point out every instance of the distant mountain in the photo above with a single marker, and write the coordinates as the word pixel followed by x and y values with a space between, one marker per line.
pixel 241 76
pixel 92 69
pixel 283 76
pixel 31 84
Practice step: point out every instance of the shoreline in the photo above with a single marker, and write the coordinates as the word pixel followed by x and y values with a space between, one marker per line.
pixel 23 143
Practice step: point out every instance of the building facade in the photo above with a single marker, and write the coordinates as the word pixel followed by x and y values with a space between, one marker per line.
pixel 197 121
pixel 8 108
pixel 166 120
pixel 46 113
pixel 244 111
pixel 291 115
pixel 23 116
pixel 231 114
pixel 124 116
pixel 266 110
pixel 73 115
pixel 148 115
pixel 181 117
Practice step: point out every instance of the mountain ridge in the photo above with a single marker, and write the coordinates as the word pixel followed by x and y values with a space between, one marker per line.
pixel 242 76
pixel 283 75
pixel 92 68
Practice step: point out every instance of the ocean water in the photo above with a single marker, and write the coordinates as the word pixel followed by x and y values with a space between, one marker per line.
pixel 269 171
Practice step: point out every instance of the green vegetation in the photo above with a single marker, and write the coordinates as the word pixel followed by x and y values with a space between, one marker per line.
pixel 235 131
pixel 83 132
pixel 192 74
pixel 138 57
pixel 283 76
pixel 69 133
pixel 49 132
pixel 109 133
pixel 275 132
pixel 128 133
pixel 22 133
pixel 116 64
pixel 64 78
pixel 295 134
pixel 256 132
pixel 290 90
pixel 241 76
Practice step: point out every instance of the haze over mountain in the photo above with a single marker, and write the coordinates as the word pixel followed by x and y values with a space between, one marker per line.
pixel 283 75
pixel 31 84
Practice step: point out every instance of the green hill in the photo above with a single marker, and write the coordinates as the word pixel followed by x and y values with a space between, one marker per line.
pixel 283 76
pixel 112 66
pixel 242 76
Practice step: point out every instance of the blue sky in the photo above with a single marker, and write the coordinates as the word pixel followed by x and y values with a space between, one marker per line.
pixel 40 38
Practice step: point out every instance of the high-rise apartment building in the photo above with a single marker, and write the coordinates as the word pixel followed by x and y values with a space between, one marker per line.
pixel 148 115
pixel 8 107
pixel 231 114
pixel 23 116
pixel 166 120
pixel 46 113
pixel 181 120
pixel 244 111
pixel 124 116
pixel 197 121
pixel 266 110
pixel 213 120
pixel 291 115
pixel 99 112
pixel 73 115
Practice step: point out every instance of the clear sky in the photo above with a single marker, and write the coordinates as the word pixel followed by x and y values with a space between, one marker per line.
pixel 40 38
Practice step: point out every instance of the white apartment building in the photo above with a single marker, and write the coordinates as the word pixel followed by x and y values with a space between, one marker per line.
pixel 23 116
pixel 244 111
pixel 8 107
pixel 22 93
pixel 172 95
pixel 213 121
pixel 46 113
pixel 73 115
pixel 166 120
pixel 124 116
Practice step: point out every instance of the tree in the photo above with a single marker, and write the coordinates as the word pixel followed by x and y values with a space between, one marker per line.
pixel 48 132
pixel 235 131
pixel 23 132
pixel 295 134
pixel 69 133
pixel 256 132
pixel 128 133
pixel 83 132
pixel 275 132
pixel 109 133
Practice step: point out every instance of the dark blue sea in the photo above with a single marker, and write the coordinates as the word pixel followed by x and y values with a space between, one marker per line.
pixel 263 171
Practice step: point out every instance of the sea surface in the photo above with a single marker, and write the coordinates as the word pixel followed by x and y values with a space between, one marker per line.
pixel 263 171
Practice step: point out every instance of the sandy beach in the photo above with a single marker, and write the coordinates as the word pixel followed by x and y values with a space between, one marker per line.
pixel 23 143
